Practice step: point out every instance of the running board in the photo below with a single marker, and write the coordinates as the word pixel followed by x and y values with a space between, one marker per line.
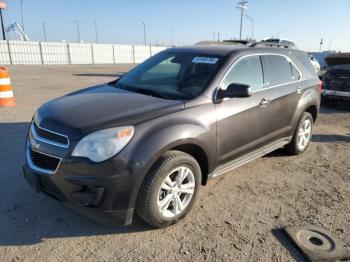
pixel 250 157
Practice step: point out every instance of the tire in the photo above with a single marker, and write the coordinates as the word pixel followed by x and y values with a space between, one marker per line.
pixel 155 192
pixel 295 147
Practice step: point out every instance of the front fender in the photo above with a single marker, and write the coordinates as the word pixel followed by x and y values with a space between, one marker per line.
pixel 154 143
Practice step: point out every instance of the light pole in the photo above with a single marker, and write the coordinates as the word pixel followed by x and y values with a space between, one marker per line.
pixel 172 37
pixel 321 43
pixel 279 33
pixel 22 16
pixel 144 33
pixel 2 6
pixel 253 22
pixel 96 35
pixel 78 31
pixel 330 43
pixel 44 31
pixel 242 6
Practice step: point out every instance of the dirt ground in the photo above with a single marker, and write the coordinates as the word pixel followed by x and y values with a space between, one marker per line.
pixel 234 219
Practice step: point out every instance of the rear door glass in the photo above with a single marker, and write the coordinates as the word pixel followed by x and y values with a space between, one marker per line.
pixel 278 69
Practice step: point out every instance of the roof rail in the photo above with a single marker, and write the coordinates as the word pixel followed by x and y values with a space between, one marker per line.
pixel 218 43
pixel 272 44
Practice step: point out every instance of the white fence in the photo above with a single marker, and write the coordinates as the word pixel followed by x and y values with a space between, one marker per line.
pixel 46 53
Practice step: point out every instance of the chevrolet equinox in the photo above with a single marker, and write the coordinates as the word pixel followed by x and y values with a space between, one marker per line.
pixel 147 141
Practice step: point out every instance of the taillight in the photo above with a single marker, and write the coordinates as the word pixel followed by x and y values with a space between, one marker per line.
pixel 320 86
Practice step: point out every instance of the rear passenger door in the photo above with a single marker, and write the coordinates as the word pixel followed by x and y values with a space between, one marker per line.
pixel 283 79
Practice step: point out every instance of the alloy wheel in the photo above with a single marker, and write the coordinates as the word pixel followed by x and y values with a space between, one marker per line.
pixel 176 191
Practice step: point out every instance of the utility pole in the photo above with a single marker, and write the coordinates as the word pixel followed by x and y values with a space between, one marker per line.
pixel 2 6
pixel 144 33
pixel 242 6
pixel 78 31
pixel 44 31
pixel 96 35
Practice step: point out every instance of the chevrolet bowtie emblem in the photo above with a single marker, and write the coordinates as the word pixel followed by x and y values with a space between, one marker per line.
pixel 35 145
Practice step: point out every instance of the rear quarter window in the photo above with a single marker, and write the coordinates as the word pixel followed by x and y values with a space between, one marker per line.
pixel 295 72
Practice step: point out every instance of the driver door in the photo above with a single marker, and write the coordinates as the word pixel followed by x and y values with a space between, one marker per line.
pixel 241 122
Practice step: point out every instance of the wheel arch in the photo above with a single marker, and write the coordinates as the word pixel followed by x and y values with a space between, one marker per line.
pixel 199 154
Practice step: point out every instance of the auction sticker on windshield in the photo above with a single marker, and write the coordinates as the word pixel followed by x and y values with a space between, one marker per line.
pixel 205 60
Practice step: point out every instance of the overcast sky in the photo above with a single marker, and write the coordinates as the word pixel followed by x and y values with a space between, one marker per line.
pixel 120 21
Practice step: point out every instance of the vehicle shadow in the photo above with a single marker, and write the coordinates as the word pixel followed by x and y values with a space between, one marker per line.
pixel 331 138
pixel 331 107
pixel 281 152
pixel 26 218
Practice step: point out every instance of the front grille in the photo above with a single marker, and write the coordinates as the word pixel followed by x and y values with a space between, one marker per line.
pixel 44 161
pixel 50 136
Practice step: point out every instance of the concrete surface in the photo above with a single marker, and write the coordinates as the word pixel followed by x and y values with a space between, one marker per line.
pixel 234 219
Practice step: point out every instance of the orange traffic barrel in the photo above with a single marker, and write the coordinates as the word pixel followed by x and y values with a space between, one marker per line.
pixel 6 93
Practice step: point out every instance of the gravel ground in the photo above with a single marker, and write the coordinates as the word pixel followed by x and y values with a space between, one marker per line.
pixel 234 219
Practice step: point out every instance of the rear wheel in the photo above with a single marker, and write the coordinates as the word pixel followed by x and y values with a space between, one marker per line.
pixel 302 135
pixel 169 190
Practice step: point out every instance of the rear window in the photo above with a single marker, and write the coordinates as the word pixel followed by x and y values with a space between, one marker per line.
pixel 295 72
pixel 278 69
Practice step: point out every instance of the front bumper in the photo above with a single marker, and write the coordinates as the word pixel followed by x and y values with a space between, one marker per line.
pixel 100 199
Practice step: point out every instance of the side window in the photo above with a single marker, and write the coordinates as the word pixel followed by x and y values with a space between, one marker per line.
pixel 295 72
pixel 278 70
pixel 247 71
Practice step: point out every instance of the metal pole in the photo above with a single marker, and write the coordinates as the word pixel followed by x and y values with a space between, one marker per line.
pixel 144 33
pixel 172 37
pixel 253 22
pixel 96 35
pixel 240 29
pixel 22 15
pixel 2 26
pixel 44 31
pixel 78 31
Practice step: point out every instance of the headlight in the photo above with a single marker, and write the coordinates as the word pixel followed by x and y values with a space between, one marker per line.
pixel 101 145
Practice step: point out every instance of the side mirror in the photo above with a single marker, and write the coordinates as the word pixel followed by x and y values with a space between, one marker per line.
pixel 235 90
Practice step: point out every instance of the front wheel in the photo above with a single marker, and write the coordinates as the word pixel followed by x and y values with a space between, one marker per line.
pixel 169 190
pixel 302 135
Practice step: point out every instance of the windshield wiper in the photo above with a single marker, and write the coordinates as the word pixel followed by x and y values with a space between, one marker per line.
pixel 148 92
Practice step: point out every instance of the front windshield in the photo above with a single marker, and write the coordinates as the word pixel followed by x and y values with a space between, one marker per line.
pixel 178 76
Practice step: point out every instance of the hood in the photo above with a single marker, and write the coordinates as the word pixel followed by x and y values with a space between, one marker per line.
pixel 100 107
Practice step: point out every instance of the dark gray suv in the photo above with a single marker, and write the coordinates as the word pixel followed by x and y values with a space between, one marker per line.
pixel 147 141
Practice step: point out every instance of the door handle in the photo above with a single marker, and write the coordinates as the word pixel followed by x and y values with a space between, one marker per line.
pixel 264 102
pixel 299 90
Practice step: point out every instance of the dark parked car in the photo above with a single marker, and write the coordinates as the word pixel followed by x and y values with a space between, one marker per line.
pixel 337 78
pixel 150 139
